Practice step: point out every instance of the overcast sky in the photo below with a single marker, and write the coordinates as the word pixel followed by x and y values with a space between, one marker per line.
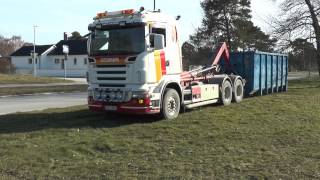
pixel 57 16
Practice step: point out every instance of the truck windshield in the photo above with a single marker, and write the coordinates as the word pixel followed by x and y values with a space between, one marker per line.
pixel 118 41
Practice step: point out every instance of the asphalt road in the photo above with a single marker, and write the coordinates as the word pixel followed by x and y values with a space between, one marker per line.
pixel 14 104
pixel 39 85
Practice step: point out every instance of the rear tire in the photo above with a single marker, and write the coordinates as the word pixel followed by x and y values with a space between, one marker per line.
pixel 238 91
pixel 170 104
pixel 226 93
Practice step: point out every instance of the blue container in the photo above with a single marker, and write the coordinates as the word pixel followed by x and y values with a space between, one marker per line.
pixel 264 72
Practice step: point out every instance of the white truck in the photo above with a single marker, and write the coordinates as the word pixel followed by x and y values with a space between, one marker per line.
pixel 135 67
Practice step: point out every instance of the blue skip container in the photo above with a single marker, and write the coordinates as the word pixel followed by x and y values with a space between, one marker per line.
pixel 264 73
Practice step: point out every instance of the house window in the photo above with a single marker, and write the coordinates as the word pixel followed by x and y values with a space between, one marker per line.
pixel 57 61
pixel 75 61
pixel 30 61
pixel 85 61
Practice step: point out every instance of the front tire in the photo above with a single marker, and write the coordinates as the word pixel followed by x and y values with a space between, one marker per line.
pixel 171 104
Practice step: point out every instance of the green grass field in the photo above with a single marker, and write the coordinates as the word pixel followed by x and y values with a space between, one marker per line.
pixel 27 79
pixel 270 137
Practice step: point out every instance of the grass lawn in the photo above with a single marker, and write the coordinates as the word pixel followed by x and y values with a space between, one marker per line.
pixel 28 79
pixel 33 90
pixel 270 137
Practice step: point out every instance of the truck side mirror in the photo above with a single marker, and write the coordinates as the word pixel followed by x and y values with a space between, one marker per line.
pixel 157 41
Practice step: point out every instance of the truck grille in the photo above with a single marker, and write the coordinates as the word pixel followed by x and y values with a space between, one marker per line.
pixel 111 75
pixel 111 72
pixel 111 78
pixel 111 66
pixel 112 85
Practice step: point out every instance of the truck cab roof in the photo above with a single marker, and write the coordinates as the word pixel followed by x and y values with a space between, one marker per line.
pixel 129 17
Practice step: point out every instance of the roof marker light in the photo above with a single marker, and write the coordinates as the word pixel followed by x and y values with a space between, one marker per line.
pixel 101 15
pixel 128 11
pixel 115 13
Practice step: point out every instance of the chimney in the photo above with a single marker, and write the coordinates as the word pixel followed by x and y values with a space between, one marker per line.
pixel 65 36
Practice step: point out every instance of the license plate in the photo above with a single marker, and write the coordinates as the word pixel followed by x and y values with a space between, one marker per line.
pixel 110 108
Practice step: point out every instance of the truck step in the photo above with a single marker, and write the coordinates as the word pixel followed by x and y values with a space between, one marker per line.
pixel 187 102
pixel 194 105
pixel 187 92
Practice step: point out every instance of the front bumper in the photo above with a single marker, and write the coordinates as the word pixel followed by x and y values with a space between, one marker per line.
pixel 124 108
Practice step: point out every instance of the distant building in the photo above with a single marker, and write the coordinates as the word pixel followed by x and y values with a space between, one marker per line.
pixel 50 59
pixel 22 59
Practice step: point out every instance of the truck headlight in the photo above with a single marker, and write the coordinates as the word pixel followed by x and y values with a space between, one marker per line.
pixel 119 95
pixel 97 95
pixel 128 96
pixel 112 95
pixel 140 94
pixel 103 95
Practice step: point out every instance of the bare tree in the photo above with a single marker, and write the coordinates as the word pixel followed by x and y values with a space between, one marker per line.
pixel 9 45
pixel 6 47
pixel 297 19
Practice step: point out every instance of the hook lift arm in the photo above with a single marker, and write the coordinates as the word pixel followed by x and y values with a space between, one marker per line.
pixel 197 74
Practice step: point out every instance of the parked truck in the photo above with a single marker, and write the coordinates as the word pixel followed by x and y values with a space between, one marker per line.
pixel 135 67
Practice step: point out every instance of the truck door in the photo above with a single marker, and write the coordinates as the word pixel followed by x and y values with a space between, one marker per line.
pixel 172 48
pixel 160 28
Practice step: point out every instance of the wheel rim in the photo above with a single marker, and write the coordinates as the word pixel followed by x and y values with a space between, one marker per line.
pixel 239 90
pixel 227 93
pixel 172 106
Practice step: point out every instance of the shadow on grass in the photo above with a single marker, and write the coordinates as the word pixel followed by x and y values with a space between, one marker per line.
pixel 29 122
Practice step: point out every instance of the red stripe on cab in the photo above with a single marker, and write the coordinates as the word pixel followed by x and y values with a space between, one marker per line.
pixel 163 63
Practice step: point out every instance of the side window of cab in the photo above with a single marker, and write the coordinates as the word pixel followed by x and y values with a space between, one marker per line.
pixel 159 31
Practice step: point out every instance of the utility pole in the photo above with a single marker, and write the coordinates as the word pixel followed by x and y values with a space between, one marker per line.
pixel 34 52
pixel 154 5
pixel 65 49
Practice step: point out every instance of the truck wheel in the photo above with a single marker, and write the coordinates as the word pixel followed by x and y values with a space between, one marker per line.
pixel 238 91
pixel 226 93
pixel 171 104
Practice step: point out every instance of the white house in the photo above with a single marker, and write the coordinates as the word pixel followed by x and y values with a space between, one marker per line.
pixel 22 59
pixel 50 59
